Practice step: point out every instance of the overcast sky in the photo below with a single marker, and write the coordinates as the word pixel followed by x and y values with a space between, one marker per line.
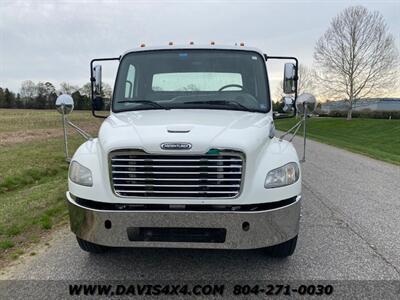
pixel 55 40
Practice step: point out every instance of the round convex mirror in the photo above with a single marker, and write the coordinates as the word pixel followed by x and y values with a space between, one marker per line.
pixel 65 104
pixel 307 100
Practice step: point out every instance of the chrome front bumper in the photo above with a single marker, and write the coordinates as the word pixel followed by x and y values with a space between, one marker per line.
pixel 267 228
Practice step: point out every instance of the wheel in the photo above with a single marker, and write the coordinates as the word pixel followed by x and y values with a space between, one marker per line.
pixel 283 250
pixel 91 247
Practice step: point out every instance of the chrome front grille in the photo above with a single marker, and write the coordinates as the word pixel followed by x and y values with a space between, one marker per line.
pixel 139 174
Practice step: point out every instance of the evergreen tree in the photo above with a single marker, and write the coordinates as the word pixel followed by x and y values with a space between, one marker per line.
pixel 9 98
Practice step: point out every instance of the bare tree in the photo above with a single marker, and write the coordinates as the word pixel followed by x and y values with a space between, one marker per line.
pixel 66 88
pixel 306 83
pixel 85 89
pixel 28 89
pixel 278 93
pixel 356 56
pixel 106 90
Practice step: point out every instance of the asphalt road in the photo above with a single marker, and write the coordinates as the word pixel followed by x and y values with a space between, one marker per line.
pixel 350 229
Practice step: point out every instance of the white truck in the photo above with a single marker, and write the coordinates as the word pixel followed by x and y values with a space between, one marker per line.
pixel 187 156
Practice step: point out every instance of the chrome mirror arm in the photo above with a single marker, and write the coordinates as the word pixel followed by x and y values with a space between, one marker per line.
pixel 295 132
pixel 83 133
pixel 296 128
pixel 66 122
pixel 304 132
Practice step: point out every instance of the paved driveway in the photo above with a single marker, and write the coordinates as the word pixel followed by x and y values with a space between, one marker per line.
pixel 350 229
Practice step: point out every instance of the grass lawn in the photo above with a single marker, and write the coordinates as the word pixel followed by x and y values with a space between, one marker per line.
pixel 30 119
pixel 377 138
pixel 33 177
pixel 33 173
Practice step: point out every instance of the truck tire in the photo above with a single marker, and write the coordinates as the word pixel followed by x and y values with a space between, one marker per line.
pixel 283 250
pixel 91 247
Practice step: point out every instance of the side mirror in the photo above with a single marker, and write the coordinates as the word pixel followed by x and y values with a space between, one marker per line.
pixel 64 104
pixel 98 103
pixel 288 103
pixel 97 79
pixel 289 78
pixel 306 102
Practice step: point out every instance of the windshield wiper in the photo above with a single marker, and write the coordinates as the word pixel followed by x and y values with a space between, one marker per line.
pixel 154 104
pixel 221 102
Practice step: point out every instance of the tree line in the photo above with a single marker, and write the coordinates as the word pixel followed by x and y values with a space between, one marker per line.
pixel 355 58
pixel 42 95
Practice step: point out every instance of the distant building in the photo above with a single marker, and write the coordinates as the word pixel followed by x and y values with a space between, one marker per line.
pixel 373 104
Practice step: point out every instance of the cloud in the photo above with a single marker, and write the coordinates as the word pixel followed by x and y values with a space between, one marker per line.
pixel 55 41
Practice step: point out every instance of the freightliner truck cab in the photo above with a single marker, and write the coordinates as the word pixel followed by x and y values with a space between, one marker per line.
pixel 187 157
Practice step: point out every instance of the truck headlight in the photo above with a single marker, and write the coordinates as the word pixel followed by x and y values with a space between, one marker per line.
pixel 80 174
pixel 282 176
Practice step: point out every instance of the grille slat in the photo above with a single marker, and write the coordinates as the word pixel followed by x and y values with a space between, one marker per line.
pixel 178 185
pixel 137 174
pixel 172 179
pixel 177 160
pixel 174 192
pixel 161 172
pixel 174 166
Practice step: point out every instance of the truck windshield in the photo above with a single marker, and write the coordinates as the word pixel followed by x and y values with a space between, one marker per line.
pixel 190 79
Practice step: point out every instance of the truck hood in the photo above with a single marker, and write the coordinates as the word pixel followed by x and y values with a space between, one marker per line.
pixel 203 129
